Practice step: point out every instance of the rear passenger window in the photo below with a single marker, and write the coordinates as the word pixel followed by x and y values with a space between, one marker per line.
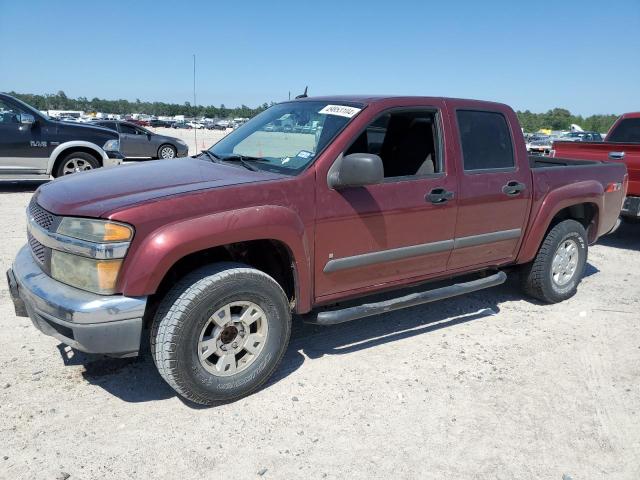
pixel 485 139
pixel 627 131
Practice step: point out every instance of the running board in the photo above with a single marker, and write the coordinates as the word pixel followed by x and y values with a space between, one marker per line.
pixel 333 317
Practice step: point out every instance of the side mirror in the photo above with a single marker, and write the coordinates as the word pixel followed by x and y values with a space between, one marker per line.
pixel 27 119
pixel 356 170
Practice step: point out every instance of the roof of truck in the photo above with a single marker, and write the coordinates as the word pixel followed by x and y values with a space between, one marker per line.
pixel 369 99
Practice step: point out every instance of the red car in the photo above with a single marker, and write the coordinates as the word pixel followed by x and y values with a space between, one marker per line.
pixel 212 255
pixel 142 123
pixel 622 144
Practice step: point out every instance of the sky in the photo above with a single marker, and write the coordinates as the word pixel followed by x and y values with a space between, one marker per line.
pixel 579 55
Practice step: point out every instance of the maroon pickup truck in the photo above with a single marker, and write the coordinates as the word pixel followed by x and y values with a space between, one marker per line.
pixel 622 144
pixel 211 255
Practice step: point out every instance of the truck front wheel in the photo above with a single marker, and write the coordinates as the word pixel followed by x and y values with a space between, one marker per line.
pixel 75 162
pixel 220 332
pixel 555 273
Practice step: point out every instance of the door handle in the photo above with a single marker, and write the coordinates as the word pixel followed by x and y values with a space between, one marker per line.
pixel 616 155
pixel 513 188
pixel 439 195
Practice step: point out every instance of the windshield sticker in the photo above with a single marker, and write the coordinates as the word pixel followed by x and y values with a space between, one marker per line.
pixel 304 154
pixel 340 110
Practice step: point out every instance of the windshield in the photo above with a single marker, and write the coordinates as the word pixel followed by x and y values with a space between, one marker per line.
pixel 286 137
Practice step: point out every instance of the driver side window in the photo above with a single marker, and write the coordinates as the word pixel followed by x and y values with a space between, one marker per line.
pixel 127 129
pixel 9 114
pixel 406 141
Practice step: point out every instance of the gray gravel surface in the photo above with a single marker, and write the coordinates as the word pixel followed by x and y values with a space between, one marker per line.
pixel 486 386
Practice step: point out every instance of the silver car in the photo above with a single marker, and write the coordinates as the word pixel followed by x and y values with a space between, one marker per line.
pixel 138 142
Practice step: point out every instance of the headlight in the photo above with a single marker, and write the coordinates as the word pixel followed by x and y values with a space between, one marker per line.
pixel 92 261
pixel 98 276
pixel 112 145
pixel 181 142
pixel 98 231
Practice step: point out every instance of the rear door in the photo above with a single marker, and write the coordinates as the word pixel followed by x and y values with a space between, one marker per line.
pixel 495 187
pixel 378 235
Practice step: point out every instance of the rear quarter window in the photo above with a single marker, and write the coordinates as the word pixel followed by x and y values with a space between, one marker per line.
pixel 485 140
pixel 627 131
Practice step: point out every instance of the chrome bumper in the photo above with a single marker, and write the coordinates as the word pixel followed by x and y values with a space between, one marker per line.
pixel 107 324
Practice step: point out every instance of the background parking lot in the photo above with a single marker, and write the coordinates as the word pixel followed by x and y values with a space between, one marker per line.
pixel 489 385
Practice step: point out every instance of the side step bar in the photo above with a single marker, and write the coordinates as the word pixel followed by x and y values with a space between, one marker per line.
pixel 333 317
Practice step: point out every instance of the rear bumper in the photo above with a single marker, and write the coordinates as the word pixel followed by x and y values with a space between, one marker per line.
pixel 110 325
pixel 631 207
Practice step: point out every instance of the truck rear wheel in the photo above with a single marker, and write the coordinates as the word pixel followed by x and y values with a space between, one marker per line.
pixel 555 273
pixel 220 332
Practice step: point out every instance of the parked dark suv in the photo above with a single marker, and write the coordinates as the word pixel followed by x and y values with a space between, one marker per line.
pixel 137 141
pixel 34 147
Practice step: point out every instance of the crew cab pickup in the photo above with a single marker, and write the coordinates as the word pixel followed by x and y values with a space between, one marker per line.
pixel 622 144
pixel 36 147
pixel 213 254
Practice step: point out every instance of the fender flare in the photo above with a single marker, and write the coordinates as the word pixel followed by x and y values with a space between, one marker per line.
pixel 149 261
pixel 60 149
pixel 588 191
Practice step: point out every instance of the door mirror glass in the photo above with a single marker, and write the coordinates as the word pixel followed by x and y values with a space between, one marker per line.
pixel 356 170
pixel 27 119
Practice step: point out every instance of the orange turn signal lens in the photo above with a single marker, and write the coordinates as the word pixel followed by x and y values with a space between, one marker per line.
pixel 114 232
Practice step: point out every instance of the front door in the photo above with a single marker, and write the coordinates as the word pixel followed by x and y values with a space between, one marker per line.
pixel 132 142
pixel 23 148
pixel 374 236
pixel 494 190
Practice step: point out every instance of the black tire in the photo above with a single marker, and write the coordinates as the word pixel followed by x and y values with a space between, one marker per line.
pixel 168 148
pixel 83 161
pixel 538 278
pixel 186 310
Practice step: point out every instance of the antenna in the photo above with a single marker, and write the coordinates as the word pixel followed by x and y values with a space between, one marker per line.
pixel 304 95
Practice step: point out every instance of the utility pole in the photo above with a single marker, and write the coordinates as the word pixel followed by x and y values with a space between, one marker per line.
pixel 195 130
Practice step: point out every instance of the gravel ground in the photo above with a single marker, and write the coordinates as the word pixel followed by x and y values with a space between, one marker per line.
pixel 486 386
pixel 197 140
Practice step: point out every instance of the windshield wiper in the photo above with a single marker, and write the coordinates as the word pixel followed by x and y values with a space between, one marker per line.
pixel 212 156
pixel 242 160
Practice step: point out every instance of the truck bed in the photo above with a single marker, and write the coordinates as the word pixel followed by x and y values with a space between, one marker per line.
pixel 538 161
pixel 557 174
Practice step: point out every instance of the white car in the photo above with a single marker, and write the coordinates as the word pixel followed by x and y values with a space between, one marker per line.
pixel 195 125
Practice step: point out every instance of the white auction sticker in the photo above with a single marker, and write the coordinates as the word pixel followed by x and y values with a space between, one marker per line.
pixel 340 110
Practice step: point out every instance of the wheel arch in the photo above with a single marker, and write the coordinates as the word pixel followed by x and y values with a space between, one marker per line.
pixel 166 144
pixel 65 148
pixel 270 239
pixel 581 201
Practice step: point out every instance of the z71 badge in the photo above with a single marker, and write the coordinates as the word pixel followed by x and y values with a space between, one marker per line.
pixel 38 143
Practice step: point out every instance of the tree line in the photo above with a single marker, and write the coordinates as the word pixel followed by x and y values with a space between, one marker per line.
pixel 561 119
pixel 60 101
pixel 555 119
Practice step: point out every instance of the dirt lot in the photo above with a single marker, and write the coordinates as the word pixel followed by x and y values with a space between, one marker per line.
pixel 487 386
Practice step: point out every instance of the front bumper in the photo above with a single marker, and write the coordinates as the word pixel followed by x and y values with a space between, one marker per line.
pixel 106 324
pixel 183 150
pixel 631 207
pixel 113 159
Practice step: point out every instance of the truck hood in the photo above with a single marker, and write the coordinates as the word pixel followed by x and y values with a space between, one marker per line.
pixel 83 129
pixel 99 192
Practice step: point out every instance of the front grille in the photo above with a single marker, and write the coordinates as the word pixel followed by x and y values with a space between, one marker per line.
pixel 36 248
pixel 43 218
